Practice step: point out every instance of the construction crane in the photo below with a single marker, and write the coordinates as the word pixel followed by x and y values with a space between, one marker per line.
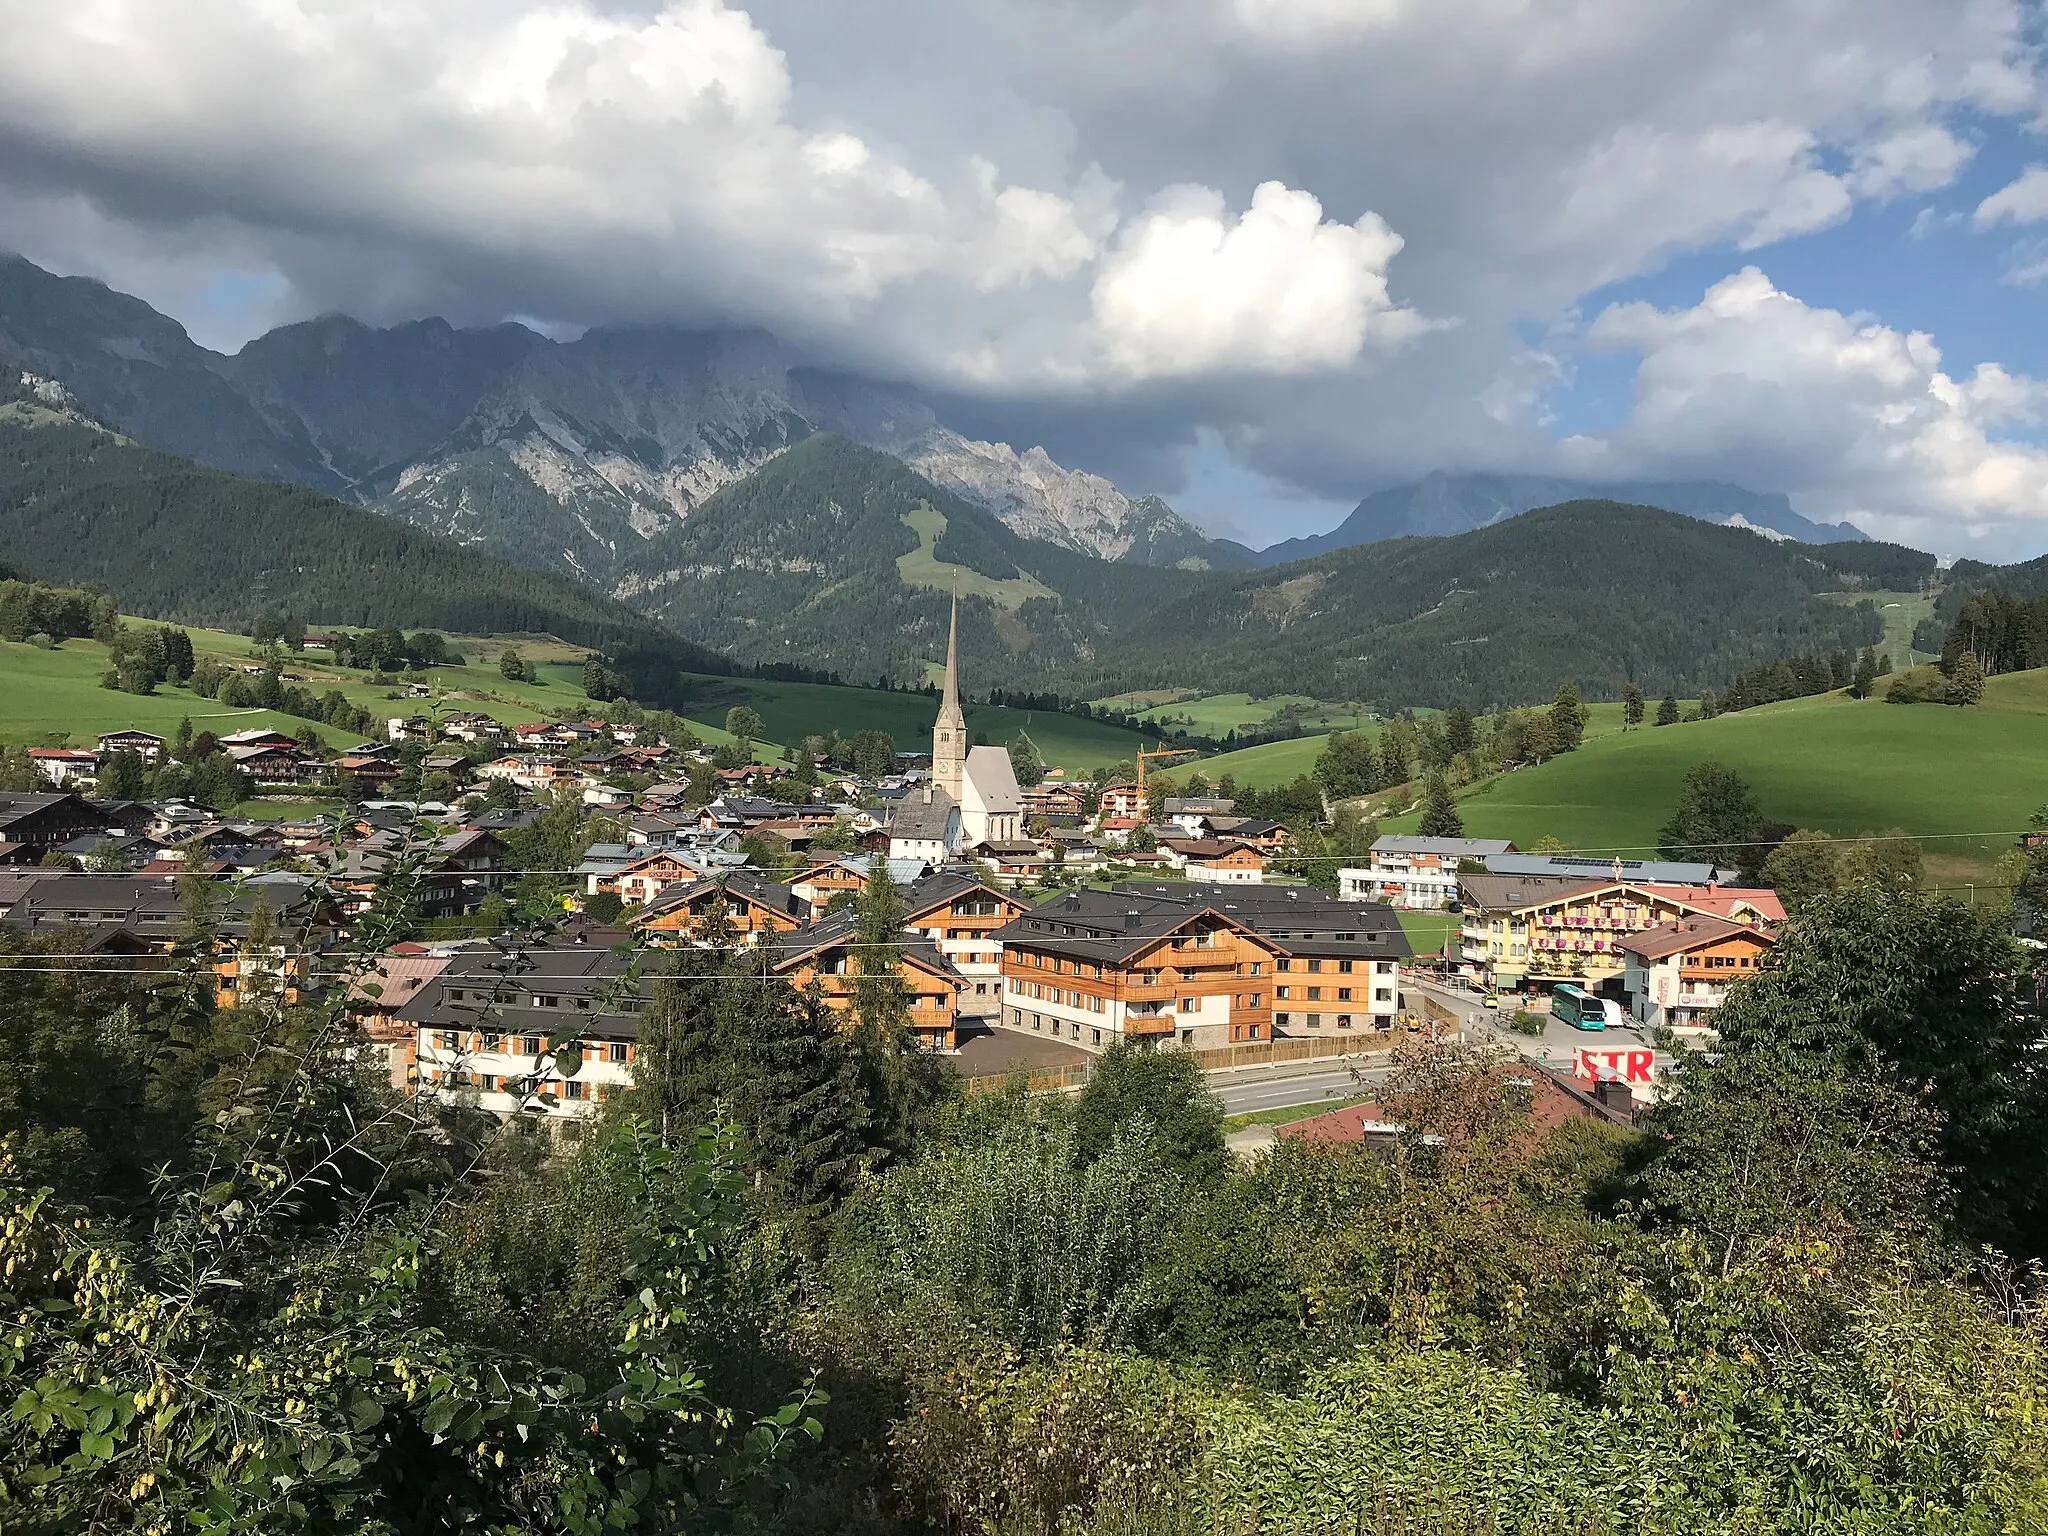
pixel 1144 805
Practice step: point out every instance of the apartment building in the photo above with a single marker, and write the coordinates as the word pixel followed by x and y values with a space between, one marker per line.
pixel 1533 931
pixel 960 914
pixel 546 1033
pixel 1198 966
pixel 828 955
pixel 1678 974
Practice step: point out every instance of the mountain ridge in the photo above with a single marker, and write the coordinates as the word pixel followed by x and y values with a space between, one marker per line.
pixel 188 543
pixel 603 439
pixel 1442 504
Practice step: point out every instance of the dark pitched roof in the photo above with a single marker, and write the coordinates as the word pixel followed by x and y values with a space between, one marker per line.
pixel 1296 919
pixel 1501 893
pixel 916 819
pixel 946 887
pixel 842 927
pixel 748 884
pixel 1106 927
pixel 490 989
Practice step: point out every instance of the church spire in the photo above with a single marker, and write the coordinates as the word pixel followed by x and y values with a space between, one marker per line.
pixel 950 704
pixel 949 734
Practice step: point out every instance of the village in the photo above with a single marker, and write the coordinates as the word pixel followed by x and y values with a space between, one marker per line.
pixel 1040 926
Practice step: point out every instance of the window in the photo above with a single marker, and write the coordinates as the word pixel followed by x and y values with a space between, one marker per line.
pixel 1344 966
pixel 547 1002
pixel 572 1089
pixel 1283 993
pixel 1383 994
pixel 1314 966
pixel 1255 968
pixel 1190 1005
pixel 1283 964
pixel 1343 994
pixel 1280 1021
pixel 488 1082
pixel 1258 1000
pixel 1343 1021
pixel 494 1042
pixel 616 1051
pixel 450 1041
pixel 1315 994
pixel 530 1046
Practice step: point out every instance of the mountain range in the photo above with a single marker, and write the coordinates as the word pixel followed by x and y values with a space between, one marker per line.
pixel 696 499
pixel 566 454
pixel 180 541
pixel 1443 504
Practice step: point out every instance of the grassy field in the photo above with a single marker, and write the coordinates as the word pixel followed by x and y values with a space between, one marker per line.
pixel 1282 762
pixel 1218 714
pixel 1262 767
pixel 1291 1113
pixel 53 697
pixel 1902 613
pixel 1427 931
pixel 922 568
pixel 791 711
pixel 1962 780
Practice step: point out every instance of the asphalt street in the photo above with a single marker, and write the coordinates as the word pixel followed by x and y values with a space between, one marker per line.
pixel 1325 1082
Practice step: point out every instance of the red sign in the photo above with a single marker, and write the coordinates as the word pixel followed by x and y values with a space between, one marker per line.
pixel 1615 1066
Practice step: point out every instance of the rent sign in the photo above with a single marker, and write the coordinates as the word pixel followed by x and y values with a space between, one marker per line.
pixel 1616 1066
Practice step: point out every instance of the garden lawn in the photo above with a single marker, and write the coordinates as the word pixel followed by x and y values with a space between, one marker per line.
pixel 1427 931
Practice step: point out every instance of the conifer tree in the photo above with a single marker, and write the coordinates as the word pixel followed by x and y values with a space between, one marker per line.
pixel 1866 674
pixel 1966 686
pixel 790 1084
pixel 1440 816
pixel 1667 711
pixel 1631 706
pixel 899 1080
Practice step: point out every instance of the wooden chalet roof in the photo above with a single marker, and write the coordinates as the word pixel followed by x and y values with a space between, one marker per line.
pixel 812 940
pixel 1669 939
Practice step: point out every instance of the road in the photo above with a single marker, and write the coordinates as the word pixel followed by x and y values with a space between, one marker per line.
pixel 1308 1087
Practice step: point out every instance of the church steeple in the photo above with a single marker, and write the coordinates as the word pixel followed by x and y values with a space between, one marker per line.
pixel 949 734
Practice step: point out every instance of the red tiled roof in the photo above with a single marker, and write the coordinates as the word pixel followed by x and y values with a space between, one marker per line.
pixel 1551 1103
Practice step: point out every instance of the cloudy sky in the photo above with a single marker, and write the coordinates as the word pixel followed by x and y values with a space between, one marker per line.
pixel 1259 256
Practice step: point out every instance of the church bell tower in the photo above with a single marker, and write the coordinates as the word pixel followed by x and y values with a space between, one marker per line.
pixel 949 735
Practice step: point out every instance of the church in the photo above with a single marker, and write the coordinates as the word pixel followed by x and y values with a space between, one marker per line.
pixel 972 796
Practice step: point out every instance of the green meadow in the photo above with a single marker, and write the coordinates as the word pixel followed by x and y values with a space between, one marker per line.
pixel 921 567
pixel 1218 714
pixel 1962 780
pixel 1282 762
pixel 54 697
pixel 791 711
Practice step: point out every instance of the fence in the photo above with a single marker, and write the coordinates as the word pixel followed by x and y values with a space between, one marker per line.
pixel 1437 1013
pixel 1259 1053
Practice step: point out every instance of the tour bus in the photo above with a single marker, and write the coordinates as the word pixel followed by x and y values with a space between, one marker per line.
pixel 1569 1005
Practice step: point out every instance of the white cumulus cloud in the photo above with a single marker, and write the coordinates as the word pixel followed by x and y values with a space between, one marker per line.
pixel 978 197
pixel 1277 290
pixel 2024 201
pixel 1850 416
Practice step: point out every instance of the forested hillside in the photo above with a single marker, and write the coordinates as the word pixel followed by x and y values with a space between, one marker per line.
pixel 201 546
pixel 800 563
pixel 1595 592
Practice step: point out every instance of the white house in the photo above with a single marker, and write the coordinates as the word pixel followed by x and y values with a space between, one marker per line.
pixel 1419 873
